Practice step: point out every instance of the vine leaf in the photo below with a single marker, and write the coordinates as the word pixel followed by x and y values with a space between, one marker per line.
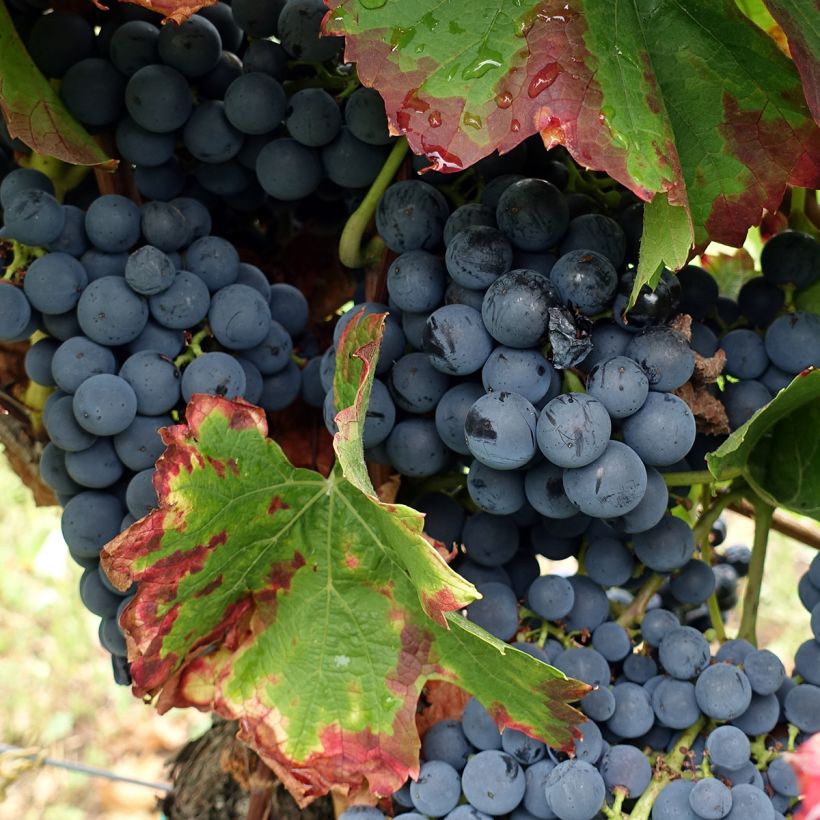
pixel 690 99
pixel 799 21
pixel 307 610
pixel 34 112
pixel 666 240
pixel 778 449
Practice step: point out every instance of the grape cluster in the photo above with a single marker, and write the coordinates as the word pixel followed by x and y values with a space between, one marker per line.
pixel 489 308
pixel 137 310
pixel 214 107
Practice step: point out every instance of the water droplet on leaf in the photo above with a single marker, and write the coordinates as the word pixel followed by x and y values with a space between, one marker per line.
pixel 543 79
pixel 471 120
pixel 504 99
pixel 434 119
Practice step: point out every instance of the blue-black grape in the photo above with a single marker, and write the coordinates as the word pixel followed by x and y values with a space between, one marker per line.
pixel 105 405
pixel 626 767
pixel 410 216
pixel 694 583
pixel 239 317
pixel 209 136
pixel 516 306
pixel 451 413
pixel 723 691
pixel 673 802
pixel 745 354
pixel 192 47
pixel 490 540
pixel 573 430
pixel 544 488
pixel 665 547
pixel 149 271
pixel 551 596
pixel 619 384
pixel 216 373
pixel 96 466
pixel 575 789
pixel 791 257
pixel 416 385
pixel 456 341
pixel 793 341
pixel 585 279
pixel 493 782
pixel 525 749
pixel 500 492
pixel 34 218
pixel 255 103
pixel 611 485
pixel 110 313
pixel 54 282
pixel 608 562
pixel 533 214
pixel 155 381
pixel 760 301
pixel 633 715
pixel 500 430
pixel 312 116
pixel 675 704
pixel 89 521
pixel 477 256
pixel 598 233
pixel 473 213
pixel 298 29
pixel 96 597
pixel 590 608
pixel 134 46
pixel 612 641
pixel 445 740
pixel 416 281
pixel 63 429
pixel 281 389
pixel 415 449
pixel 139 445
pixel 158 98
pixel 92 90
pixel 214 260
pixel 525 372
pixel 496 611
pixel 662 431
pixel 665 356
pixel 112 223
pixel 366 118
pixel 182 305
pixel 651 508
pixel 743 399
pixel 37 362
pixel 684 652
pixel 351 163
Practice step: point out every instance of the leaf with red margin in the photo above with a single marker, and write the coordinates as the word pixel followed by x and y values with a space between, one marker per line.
pixel 284 600
pixel 691 99
pixel 800 21
pixel 32 109
pixel 177 10
pixel 356 357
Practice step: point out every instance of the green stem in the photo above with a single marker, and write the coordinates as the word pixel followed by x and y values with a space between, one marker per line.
pixel 701 531
pixel 614 812
pixel 792 737
pixel 664 774
pixel 635 611
pixel 690 477
pixel 194 349
pixel 351 253
pixel 760 753
pixel 22 257
pixel 751 598
pixel 571 383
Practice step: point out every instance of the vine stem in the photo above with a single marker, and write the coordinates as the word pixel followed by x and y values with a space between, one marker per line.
pixel 634 612
pixel 804 533
pixel 751 598
pixel 708 516
pixel 669 769
pixel 692 477
pixel 351 253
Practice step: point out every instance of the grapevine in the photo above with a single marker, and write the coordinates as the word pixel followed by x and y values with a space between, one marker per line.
pixel 405 324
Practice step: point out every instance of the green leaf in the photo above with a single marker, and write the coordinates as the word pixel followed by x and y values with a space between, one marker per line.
pixel 800 22
pixel 307 610
pixel 808 299
pixel 686 98
pixel 356 358
pixel 666 240
pixel 778 449
pixel 34 112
